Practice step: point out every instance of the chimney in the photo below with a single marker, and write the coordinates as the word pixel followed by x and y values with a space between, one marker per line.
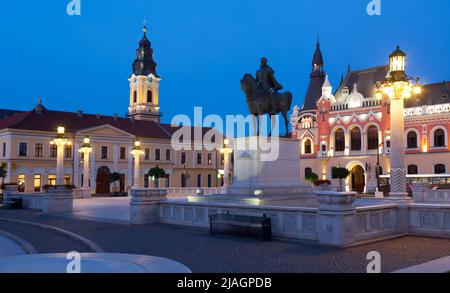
pixel 116 117
pixel 80 113
pixel 98 116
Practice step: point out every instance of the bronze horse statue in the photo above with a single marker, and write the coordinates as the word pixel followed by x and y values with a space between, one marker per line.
pixel 259 102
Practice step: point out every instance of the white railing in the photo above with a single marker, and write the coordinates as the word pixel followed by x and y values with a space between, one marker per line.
pixel 191 191
pixel 432 196
pixel 427 110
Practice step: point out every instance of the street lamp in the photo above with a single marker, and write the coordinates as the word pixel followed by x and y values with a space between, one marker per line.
pixel 226 151
pixel 137 152
pixel 398 87
pixel 86 149
pixel 60 141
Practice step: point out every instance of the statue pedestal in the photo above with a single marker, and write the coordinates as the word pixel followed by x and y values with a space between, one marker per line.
pixel 267 166
pixel 144 205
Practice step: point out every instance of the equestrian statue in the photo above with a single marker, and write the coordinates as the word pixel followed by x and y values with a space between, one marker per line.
pixel 263 96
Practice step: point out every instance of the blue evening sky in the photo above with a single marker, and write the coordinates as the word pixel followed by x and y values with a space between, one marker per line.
pixel 203 48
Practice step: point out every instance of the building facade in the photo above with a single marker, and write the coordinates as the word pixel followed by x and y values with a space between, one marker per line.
pixel 349 127
pixel 30 159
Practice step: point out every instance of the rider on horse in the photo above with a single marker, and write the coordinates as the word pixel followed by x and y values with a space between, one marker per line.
pixel 265 78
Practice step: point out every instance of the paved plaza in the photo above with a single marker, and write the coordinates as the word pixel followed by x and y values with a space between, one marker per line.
pixel 201 252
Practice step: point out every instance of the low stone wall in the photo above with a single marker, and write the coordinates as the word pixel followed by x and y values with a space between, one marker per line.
pixel 376 221
pixel 53 200
pixel 293 223
pixel 431 195
pixel 430 219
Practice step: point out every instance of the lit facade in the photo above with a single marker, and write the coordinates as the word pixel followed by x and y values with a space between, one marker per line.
pixel 350 127
pixel 29 157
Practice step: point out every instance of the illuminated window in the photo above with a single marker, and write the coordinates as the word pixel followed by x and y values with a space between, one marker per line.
pixel 52 180
pixel 37 183
pixel 339 140
pixel 21 182
pixel 67 179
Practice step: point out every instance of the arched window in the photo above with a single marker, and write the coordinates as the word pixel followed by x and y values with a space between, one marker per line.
pixel 413 170
pixel 439 138
pixel 324 147
pixel 372 138
pixel 149 96
pixel 307 146
pixel 439 169
pixel 135 97
pixel 412 140
pixel 339 140
pixel 355 137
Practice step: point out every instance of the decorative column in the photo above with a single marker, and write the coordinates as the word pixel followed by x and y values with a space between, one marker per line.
pixel 60 141
pixel 137 152
pixel 86 149
pixel 398 87
pixel 226 151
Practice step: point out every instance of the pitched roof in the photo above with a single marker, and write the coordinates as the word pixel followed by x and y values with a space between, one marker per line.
pixel 432 94
pixel 365 80
pixel 6 113
pixel 49 120
pixel 42 119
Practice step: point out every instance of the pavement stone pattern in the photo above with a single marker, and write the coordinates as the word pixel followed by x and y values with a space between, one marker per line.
pixel 203 253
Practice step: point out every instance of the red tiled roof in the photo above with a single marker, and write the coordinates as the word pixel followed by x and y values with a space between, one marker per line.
pixel 49 120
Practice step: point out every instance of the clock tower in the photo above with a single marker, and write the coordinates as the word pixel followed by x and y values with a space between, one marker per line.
pixel 144 84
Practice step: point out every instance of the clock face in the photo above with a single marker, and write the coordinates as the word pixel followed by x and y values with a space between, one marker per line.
pixel 135 80
pixel 150 79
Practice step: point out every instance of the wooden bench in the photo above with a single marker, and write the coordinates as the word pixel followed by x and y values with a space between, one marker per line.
pixel 12 203
pixel 242 223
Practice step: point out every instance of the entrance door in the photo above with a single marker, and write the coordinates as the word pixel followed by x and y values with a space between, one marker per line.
pixel 102 180
pixel 358 179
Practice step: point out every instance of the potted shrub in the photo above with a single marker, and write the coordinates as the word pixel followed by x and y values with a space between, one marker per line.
pixel 159 175
pixel 114 179
pixel 340 174
pixel 311 177
pixel 323 184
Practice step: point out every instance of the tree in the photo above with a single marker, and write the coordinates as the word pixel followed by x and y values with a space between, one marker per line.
pixel 114 177
pixel 157 172
pixel 3 174
pixel 311 177
pixel 340 173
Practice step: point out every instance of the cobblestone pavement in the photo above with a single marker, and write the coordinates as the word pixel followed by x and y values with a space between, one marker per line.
pixel 232 254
